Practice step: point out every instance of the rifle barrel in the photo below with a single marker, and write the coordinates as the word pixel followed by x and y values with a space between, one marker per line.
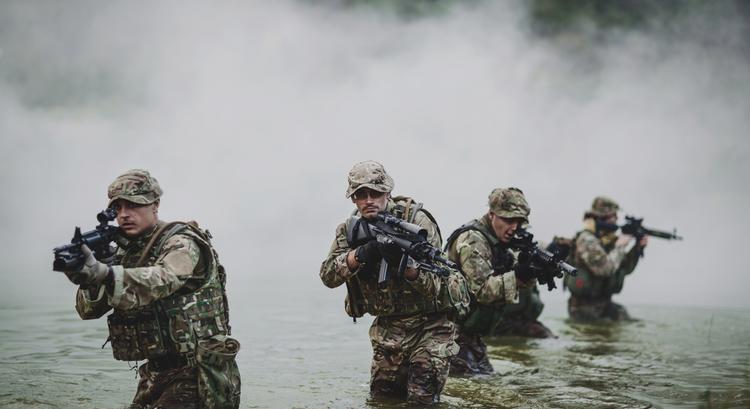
pixel 662 234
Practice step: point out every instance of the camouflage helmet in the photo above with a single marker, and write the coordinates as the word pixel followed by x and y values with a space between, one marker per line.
pixel 509 203
pixel 135 185
pixel 369 174
pixel 603 206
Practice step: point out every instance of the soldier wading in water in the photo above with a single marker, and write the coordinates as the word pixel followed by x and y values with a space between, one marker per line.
pixel 481 250
pixel 603 260
pixel 413 335
pixel 165 287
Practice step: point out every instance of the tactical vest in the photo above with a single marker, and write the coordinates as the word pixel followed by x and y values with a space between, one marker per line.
pixel 483 318
pixel 397 297
pixel 172 325
pixel 587 285
pixel 499 259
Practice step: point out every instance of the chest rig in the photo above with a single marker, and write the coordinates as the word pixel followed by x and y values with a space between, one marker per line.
pixel 397 297
pixel 587 285
pixel 502 259
pixel 172 325
pixel 482 318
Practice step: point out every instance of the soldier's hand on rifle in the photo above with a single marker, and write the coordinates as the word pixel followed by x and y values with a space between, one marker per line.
pixel 524 273
pixel 391 253
pixel 623 240
pixel 368 252
pixel 643 242
pixel 92 274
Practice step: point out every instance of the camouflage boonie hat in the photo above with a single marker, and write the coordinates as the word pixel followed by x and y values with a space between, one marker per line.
pixel 369 174
pixel 509 203
pixel 135 185
pixel 603 206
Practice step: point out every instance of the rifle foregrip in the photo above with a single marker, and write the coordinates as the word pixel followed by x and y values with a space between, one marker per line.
pixel 68 262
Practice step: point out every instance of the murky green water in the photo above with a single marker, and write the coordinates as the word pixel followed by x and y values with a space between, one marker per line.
pixel 304 353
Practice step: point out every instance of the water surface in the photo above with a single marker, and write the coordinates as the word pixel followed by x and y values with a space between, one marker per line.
pixel 304 353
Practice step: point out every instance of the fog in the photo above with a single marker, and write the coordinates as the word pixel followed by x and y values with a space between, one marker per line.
pixel 250 115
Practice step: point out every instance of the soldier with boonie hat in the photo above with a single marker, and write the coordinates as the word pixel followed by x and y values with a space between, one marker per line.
pixel 413 332
pixel 368 174
pixel 603 259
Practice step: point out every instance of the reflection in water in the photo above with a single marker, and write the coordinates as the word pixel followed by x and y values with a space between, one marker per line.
pixel 514 349
pixel 676 358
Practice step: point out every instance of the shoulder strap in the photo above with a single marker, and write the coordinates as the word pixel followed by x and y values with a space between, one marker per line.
pixel 154 238
pixel 410 209
pixel 407 210
pixel 167 230
pixel 472 225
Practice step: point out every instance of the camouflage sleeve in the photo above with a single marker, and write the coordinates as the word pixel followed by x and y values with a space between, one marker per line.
pixel 475 259
pixel 333 270
pixel 591 254
pixel 426 283
pixel 629 262
pixel 136 287
pixel 91 304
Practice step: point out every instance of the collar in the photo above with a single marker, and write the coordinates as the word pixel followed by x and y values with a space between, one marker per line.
pixel 589 224
pixel 138 241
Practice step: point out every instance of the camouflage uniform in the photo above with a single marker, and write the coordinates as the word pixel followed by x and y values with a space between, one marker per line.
pixel 602 267
pixel 487 264
pixel 169 307
pixel 413 335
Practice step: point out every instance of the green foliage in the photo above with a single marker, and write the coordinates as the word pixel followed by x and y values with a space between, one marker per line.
pixel 555 16
pixel 408 8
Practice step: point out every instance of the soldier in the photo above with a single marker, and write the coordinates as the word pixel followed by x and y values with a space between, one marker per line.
pixel 166 289
pixel 480 248
pixel 603 261
pixel 413 335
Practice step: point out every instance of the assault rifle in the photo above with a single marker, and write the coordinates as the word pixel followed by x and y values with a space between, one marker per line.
pixel 69 256
pixel 634 227
pixel 544 264
pixel 410 238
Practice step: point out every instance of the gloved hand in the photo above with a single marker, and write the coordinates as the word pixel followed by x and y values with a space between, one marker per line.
pixel 92 274
pixel 502 261
pixel 524 273
pixel 368 252
pixel 391 253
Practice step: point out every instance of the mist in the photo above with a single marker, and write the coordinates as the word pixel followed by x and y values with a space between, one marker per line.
pixel 250 115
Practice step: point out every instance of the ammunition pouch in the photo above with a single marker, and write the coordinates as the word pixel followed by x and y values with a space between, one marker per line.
pixel 218 375
pixel 136 335
pixel 455 294
pixel 172 325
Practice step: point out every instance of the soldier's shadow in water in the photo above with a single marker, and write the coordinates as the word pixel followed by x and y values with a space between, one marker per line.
pixel 589 355
pixel 515 349
pixel 594 338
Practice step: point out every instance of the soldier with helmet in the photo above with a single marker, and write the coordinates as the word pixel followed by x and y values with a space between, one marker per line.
pixel 413 334
pixel 505 296
pixel 166 290
pixel 603 259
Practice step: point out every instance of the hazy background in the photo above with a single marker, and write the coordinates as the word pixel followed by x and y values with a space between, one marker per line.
pixel 250 115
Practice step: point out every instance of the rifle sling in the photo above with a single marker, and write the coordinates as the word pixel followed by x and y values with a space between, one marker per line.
pixel 151 242
pixel 407 209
